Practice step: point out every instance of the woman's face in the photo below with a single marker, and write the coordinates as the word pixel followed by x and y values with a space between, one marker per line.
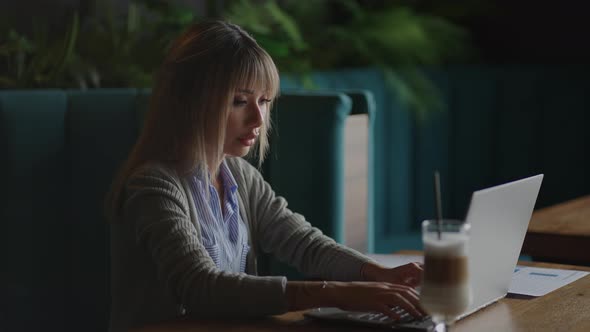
pixel 245 119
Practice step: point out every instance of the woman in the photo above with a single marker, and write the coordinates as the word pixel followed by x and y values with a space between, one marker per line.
pixel 189 215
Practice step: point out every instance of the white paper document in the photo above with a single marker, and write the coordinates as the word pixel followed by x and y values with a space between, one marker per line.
pixel 526 280
pixel 535 281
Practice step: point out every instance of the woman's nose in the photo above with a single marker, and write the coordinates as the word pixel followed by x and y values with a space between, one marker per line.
pixel 257 115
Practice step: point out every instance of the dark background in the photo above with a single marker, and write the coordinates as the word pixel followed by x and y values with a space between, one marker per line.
pixel 502 31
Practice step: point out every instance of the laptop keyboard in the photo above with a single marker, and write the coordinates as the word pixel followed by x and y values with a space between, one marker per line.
pixel 405 316
pixel 405 322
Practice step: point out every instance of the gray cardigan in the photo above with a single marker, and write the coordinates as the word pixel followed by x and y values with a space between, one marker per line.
pixel 160 269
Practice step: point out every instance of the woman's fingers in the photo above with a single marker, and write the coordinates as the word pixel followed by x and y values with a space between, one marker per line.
pixel 408 305
pixel 410 295
pixel 405 288
pixel 386 310
pixel 412 268
pixel 413 299
pixel 382 297
pixel 408 274
pixel 406 299
pixel 413 277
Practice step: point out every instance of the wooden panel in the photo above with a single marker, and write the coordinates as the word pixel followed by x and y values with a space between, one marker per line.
pixel 569 218
pixel 557 248
pixel 356 146
pixel 356 213
pixel 560 233
pixel 355 186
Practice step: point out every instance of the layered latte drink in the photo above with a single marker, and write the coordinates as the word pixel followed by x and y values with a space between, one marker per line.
pixel 445 292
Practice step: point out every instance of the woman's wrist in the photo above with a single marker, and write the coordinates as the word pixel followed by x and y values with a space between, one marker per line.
pixel 309 294
pixel 371 271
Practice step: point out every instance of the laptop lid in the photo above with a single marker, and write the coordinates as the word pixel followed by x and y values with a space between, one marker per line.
pixel 499 218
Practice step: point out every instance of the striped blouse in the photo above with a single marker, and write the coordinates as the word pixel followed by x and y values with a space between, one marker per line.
pixel 224 235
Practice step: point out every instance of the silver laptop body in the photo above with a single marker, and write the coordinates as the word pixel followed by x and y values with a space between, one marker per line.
pixel 499 218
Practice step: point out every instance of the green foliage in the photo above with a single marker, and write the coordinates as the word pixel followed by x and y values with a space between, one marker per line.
pixel 106 49
pixel 125 50
pixel 275 30
pixel 39 61
pixel 307 35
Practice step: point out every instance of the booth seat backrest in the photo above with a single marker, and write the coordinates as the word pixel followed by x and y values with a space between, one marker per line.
pixel 102 128
pixel 61 150
pixel 33 209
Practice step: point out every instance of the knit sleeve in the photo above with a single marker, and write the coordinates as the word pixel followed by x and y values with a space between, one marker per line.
pixel 158 207
pixel 291 239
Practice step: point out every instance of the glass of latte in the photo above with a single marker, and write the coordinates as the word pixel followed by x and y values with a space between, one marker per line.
pixel 445 292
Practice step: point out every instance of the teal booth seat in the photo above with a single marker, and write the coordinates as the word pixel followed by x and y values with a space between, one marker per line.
pixel 102 128
pixel 62 148
pixel 306 160
pixel 33 210
pixel 308 146
pixel 500 123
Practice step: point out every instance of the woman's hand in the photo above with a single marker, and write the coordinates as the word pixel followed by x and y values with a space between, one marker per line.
pixel 355 296
pixel 376 296
pixel 408 275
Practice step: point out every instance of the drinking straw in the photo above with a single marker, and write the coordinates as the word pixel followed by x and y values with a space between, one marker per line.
pixel 438 203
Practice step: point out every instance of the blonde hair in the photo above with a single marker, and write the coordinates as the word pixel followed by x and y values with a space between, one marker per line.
pixel 191 99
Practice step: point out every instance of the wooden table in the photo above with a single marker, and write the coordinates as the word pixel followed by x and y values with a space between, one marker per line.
pixel 560 233
pixel 566 309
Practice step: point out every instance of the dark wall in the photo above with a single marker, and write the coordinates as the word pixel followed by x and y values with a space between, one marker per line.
pixel 21 14
pixel 532 32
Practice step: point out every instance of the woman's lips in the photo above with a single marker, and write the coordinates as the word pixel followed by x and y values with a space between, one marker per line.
pixel 248 140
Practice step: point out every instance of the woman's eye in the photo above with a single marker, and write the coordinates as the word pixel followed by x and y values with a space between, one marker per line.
pixel 239 102
pixel 265 101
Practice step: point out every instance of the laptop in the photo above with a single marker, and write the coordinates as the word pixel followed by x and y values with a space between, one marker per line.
pixel 500 213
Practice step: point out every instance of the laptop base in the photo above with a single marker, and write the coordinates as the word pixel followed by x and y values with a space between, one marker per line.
pixel 361 318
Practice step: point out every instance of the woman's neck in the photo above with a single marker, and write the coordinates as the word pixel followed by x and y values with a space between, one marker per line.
pixel 213 168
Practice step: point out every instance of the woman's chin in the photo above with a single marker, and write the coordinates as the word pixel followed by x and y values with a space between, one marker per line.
pixel 241 152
